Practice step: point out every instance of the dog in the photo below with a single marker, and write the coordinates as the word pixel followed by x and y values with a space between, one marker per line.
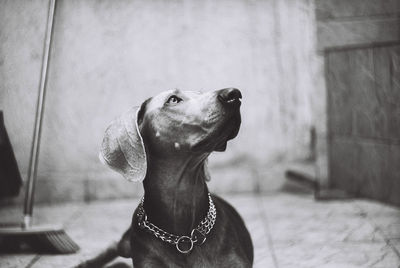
pixel 165 144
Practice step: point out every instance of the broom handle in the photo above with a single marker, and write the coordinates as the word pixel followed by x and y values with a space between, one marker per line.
pixel 34 156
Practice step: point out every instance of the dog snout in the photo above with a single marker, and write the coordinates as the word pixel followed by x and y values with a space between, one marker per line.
pixel 229 96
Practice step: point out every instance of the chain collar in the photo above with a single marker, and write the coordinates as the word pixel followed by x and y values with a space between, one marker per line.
pixel 184 244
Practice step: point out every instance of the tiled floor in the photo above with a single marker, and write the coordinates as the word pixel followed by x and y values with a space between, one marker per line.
pixel 288 230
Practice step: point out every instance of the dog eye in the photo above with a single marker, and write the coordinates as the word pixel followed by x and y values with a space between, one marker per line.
pixel 174 99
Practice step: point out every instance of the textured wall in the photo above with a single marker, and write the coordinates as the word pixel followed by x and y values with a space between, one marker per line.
pixel 361 40
pixel 364 121
pixel 110 55
pixel 355 22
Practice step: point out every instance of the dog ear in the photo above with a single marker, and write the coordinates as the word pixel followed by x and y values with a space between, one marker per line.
pixel 123 148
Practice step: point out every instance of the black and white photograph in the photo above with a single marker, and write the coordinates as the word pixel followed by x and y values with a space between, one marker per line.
pixel 200 133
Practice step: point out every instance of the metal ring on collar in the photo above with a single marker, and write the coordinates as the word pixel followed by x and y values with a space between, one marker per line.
pixel 181 240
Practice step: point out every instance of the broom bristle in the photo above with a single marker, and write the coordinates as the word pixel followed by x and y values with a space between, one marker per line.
pixel 57 242
pixel 42 239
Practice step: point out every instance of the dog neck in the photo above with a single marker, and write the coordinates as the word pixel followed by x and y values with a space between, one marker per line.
pixel 176 193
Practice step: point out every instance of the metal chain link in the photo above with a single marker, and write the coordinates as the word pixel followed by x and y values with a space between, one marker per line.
pixel 204 227
pixel 208 222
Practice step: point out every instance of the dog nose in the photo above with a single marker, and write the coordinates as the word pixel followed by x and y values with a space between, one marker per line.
pixel 229 95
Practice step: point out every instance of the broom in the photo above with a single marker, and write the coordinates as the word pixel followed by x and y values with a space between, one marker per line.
pixel 42 239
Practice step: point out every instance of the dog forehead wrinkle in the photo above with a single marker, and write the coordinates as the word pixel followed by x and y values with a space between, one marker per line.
pixel 175 91
pixel 192 94
pixel 157 101
pixel 185 122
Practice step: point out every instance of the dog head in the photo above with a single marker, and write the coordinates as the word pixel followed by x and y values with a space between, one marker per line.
pixel 173 123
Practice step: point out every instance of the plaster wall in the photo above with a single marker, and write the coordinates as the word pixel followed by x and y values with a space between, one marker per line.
pixel 110 55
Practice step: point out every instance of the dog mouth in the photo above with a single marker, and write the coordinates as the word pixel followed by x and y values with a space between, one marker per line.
pixel 221 146
pixel 217 141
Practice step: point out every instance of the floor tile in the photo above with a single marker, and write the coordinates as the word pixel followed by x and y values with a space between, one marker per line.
pixel 249 208
pixel 288 230
pixel 384 217
pixel 375 208
pixel 390 226
pixel 332 255
pixel 319 230
pixel 15 260
pixel 395 243
pixel 305 206
pixel 302 219
pixel 263 254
